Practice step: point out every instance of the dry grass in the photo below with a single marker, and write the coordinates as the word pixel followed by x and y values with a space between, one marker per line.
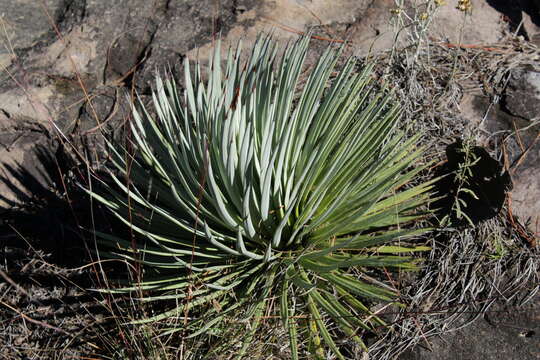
pixel 468 269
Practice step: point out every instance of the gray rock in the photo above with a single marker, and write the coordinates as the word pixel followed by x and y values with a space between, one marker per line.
pixel 25 22
pixel 522 97
pixel 23 176
pixel 503 333
pixel 523 153
pixel 522 101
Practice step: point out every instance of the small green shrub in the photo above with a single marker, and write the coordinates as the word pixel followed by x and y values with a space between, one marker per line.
pixel 248 185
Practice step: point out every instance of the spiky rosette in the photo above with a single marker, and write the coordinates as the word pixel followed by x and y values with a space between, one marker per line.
pixel 249 183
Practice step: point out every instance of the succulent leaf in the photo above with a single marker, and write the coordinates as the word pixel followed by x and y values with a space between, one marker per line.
pixel 260 180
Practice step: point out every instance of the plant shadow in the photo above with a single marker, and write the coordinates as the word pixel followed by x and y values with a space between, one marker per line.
pixel 475 180
pixel 46 207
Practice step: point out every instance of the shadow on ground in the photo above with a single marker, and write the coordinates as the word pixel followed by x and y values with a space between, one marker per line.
pixel 471 181
pixel 44 215
pixel 47 263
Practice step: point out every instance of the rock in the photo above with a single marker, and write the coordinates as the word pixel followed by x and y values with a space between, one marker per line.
pixel 285 19
pixel 369 26
pixel 105 44
pixel 503 333
pixel 523 16
pixel 6 60
pixel 70 55
pixel 523 152
pixel 20 104
pixel 526 193
pixel 522 100
pixel 482 25
pixel 25 23
pixel 23 176
pixel 522 95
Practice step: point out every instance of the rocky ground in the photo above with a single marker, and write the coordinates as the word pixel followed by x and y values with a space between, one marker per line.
pixel 69 65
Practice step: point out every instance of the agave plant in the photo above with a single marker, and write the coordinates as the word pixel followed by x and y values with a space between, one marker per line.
pixel 268 179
